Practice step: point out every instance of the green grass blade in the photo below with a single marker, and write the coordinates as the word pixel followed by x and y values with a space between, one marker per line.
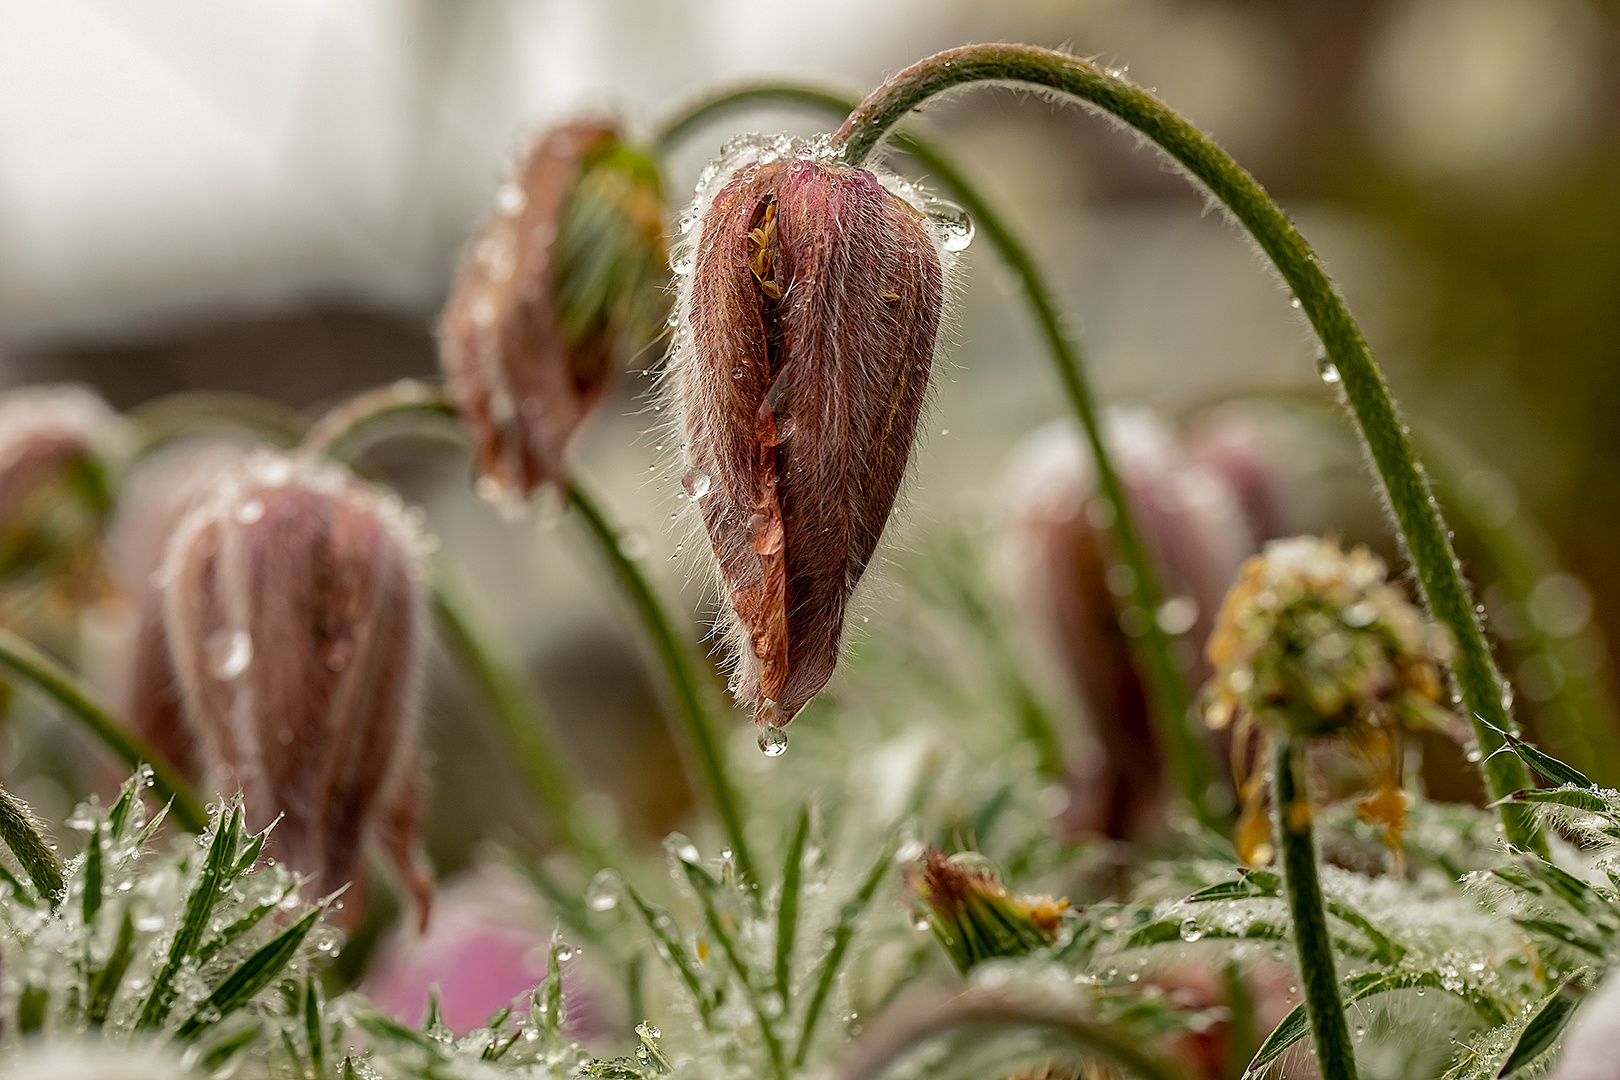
pixel 787 909
pixel 205 893
pixel 253 975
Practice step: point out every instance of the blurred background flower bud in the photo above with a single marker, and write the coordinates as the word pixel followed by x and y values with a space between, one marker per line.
pixel 487 943
pixel 811 315
pixel 295 620
pixel 58 447
pixel 569 272
pixel 127 646
pixel 1072 588
pixel 971 912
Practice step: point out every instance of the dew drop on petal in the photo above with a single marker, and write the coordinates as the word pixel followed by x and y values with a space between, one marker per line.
pixel 696 483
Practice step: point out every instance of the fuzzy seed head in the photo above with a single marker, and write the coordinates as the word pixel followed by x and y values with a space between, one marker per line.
pixel 295 619
pixel 569 270
pixel 810 318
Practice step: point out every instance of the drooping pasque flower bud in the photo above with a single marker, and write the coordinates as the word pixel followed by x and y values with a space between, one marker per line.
pixel 1071 587
pixel 569 270
pixel 133 661
pixel 973 914
pixel 45 431
pixel 295 619
pixel 1315 643
pixel 809 318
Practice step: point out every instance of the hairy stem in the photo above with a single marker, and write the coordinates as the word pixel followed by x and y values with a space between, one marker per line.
pixel 1178 727
pixel 213 412
pixel 1291 803
pixel 1418 518
pixel 351 427
pixel 59 683
pixel 684 678
pixel 972 1017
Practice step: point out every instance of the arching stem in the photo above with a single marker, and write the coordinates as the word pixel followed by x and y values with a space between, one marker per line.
pixel 1178 727
pixel 22 658
pixel 1292 807
pixel 1479 683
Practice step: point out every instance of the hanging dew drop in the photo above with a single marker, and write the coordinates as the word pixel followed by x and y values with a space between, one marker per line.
pixel 603 893
pixel 1325 368
pixel 229 653
pixel 772 741
pixel 956 228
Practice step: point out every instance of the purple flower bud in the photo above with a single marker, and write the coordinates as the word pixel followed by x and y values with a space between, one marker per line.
pixel 1072 586
pixel 810 320
pixel 570 265
pixel 133 663
pixel 43 431
pixel 295 619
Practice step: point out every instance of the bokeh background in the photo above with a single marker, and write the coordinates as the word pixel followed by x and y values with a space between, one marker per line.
pixel 270 198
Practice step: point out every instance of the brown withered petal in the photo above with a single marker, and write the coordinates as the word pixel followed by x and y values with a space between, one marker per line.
pixel 814 303
pixel 524 372
pixel 295 620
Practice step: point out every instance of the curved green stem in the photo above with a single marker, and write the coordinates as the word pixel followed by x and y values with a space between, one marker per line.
pixel 1177 724
pixel 20 833
pixel 352 427
pixel 685 681
pixel 1479 683
pixel 24 659
pixel 977 1015
pixel 1292 806
pixel 522 717
pixel 203 412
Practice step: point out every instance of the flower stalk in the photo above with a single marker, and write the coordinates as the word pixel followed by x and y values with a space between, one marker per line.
pixel 1312 942
pixel 1478 682
pixel 22 658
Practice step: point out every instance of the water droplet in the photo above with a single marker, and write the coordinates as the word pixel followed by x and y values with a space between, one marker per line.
pixel 250 511
pixel 1190 930
pixel 633 544
pixel 955 227
pixel 647 1031
pixel 1325 368
pixel 696 483
pixel 1177 615
pixel 603 893
pixel 772 740
pixel 678 845
pixel 149 922
pixel 1473 755
pixel 1295 304
pixel 565 952
pixel 229 653
pixel 510 200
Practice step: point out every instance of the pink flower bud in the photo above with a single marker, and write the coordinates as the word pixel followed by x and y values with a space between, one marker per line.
pixel 295 618
pixel 133 663
pixel 43 431
pixel 810 319
pixel 1072 587
pixel 570 264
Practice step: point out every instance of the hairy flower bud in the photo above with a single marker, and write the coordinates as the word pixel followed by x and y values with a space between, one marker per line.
pixel 1071 586
pixel 134 663
pixel 569 269
pixel 46 430
pixel 973 914
pixel 811 313
pixel 295 619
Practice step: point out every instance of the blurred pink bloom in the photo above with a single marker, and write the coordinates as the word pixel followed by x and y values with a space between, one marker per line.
pixel 486 944
pixel 45 429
